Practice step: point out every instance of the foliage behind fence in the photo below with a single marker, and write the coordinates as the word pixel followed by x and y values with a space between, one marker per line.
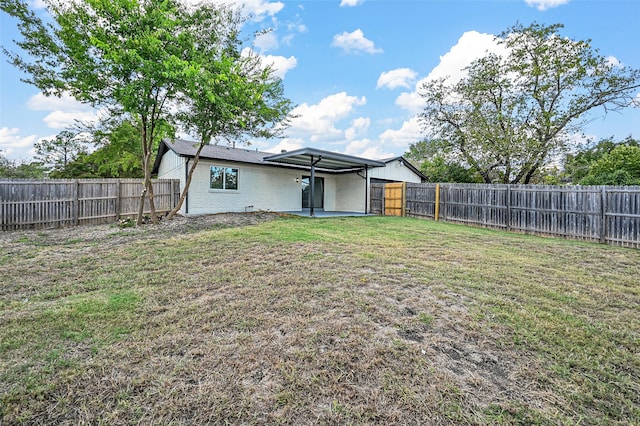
pixel 56 203
pixel 608 214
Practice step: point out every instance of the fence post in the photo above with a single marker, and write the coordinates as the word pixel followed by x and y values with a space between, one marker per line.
pixel 436 212
pixel 384 199
pixel 118 202
pixel 442 194
pixel 404 199
pixel 508 200
pixel 76 203
pixel 603 215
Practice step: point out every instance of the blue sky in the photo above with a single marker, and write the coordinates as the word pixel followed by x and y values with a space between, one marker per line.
pixel 353 67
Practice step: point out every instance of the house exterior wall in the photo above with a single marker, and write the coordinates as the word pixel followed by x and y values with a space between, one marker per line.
pixel 172 167
pixel 350 193
pixel 259 188
pixel 269 188
pixel 394 171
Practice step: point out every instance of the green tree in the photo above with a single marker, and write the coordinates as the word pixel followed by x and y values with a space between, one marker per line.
pixel 137 57
pixel 438 168
pixel 512 113
pixel 117 155
pixel 11 169
pixel 58 152
pixel 578 165
pixel 79 168
pixel 231 96
pixel 124 55
pixel 620 166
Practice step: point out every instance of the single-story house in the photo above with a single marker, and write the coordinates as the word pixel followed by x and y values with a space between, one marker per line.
pixel 230 179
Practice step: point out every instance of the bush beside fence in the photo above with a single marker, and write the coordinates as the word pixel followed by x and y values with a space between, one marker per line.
pixel 28 204
pixel 606 214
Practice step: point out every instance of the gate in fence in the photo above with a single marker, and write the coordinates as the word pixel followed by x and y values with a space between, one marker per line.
pixel 394 199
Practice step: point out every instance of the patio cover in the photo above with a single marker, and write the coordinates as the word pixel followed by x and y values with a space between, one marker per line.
pixel 325 160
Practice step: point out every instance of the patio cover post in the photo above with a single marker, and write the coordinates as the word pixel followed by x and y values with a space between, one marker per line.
pixel 312 192
pixel 366 188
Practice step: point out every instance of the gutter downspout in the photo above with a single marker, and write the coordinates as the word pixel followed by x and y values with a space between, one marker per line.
pixel 186 176
pixel 366 188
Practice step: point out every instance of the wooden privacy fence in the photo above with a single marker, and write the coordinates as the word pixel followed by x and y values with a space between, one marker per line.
pixel 607 214
pixel 57 203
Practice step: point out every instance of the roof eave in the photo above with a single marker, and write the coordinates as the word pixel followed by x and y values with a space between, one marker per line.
pixel 337 161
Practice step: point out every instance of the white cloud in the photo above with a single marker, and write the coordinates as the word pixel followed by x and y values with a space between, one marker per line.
pixel 297 27
pixel 545 4
pixel 388 142
pixel 613 62
pixel 65 110
pixel 318 122
pixel 471 45
pixel 411 101
pixel 357 147
pixel 294 27
pixel 409 133
pixel 259 9
pixel 401 77
pixel 354 42
pixel 367 148
pixel 351 2
pixel 280 64
pixel 38 4
pixel 12 143
pixel 287 144
pixel 40 102
pixel 358 126
pixel 266 41
pixel 67 119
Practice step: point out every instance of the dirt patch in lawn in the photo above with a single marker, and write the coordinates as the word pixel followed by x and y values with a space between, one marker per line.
pixel 118 233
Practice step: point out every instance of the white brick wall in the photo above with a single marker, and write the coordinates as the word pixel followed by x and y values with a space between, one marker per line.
pixel 270 188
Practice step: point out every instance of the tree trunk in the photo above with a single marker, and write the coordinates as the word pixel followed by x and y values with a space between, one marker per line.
pixel 187 183
pixel 148 191
pixel 148 186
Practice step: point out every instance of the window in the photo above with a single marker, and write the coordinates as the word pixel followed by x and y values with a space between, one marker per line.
pixel 224 178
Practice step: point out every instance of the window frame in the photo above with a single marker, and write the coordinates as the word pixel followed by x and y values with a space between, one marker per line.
pixel 225 172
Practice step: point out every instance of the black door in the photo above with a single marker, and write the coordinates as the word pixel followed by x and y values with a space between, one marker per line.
pixel 318 192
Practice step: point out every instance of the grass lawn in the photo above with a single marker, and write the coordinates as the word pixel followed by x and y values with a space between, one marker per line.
pixel 317 321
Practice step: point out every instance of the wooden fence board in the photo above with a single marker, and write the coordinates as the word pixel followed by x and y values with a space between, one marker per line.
pixel 606 214
pixel 63 202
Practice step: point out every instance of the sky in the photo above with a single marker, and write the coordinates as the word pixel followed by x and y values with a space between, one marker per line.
pixel 353 68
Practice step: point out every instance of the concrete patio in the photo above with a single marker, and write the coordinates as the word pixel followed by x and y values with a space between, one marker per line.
pixel 322 213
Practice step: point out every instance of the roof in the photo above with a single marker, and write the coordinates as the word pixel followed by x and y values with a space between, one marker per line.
pixel 213 152
pixel 323 159
pixel 329 161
